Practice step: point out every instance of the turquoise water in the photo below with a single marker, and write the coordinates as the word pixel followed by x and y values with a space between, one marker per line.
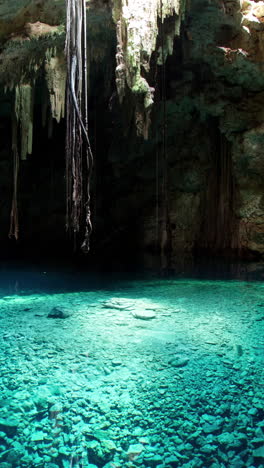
pixel 139 373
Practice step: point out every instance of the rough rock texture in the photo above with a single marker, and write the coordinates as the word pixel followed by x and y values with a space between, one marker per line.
pixel 196 184
pixel 15 13
pixel 137 28
pixel 213 120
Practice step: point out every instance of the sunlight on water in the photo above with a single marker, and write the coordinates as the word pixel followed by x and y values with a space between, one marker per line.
pixel 149 373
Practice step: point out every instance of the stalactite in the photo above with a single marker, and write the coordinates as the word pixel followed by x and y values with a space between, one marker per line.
pixel 22 127
pixel 55 76
pixel 24 115
pixel 137 31
pixel 44 105
pixel 79 157
pixel 14 224
pixel 22 140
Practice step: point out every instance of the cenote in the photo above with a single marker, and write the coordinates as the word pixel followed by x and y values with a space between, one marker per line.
pixel 132 234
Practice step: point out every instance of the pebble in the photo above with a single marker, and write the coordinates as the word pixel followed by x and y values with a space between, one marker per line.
pixel 116 362
pixel 153 460
pixel 208 449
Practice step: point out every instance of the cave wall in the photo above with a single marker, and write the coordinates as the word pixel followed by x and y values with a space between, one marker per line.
pixel 195 185
pixel 214 129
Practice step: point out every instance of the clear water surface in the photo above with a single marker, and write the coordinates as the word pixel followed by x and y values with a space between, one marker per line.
pixel 143 372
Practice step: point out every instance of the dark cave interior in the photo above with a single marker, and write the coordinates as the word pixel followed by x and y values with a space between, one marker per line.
pixel 196 161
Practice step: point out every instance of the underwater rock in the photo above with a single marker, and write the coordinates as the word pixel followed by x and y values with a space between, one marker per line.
pixel 55 410
pixel 153 460
pixel 134 451
pixel 173 460
pixel 65 450
pixel 259 452
pixel 108 445
pixel 237 463
pixel 208 448
pixel 51 465
pixel 100 452
pixel 211 428
pixel 259 433
pixel 226 438
pixel 259 318
pixel 108 465
pixel 59 312
pixel 116 363
pixel 119 304
pixel 258 441
pixel 9 426
pixel 144 315
pixel 38 436
pixel 238 350
pixel 14 456
pixel 179 361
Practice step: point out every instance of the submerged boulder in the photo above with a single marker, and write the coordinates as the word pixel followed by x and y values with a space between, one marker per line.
pixel 134 451
pixel 59 312
pixel 9 426
pixel 179 361
pixel 259 452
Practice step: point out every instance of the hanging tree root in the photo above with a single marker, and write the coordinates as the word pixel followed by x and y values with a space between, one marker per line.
pixel 79 157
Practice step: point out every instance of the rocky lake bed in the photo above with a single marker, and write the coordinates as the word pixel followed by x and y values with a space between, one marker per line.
pixel 153 373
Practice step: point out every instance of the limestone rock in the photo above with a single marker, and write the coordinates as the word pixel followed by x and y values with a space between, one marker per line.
pixel 38 436
pixel 144 314
pixel 9 426
pixel 119 304
pixel 134 451
pixel 59 312
pixel 153 460
pixel 259 452
pixel 179 361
